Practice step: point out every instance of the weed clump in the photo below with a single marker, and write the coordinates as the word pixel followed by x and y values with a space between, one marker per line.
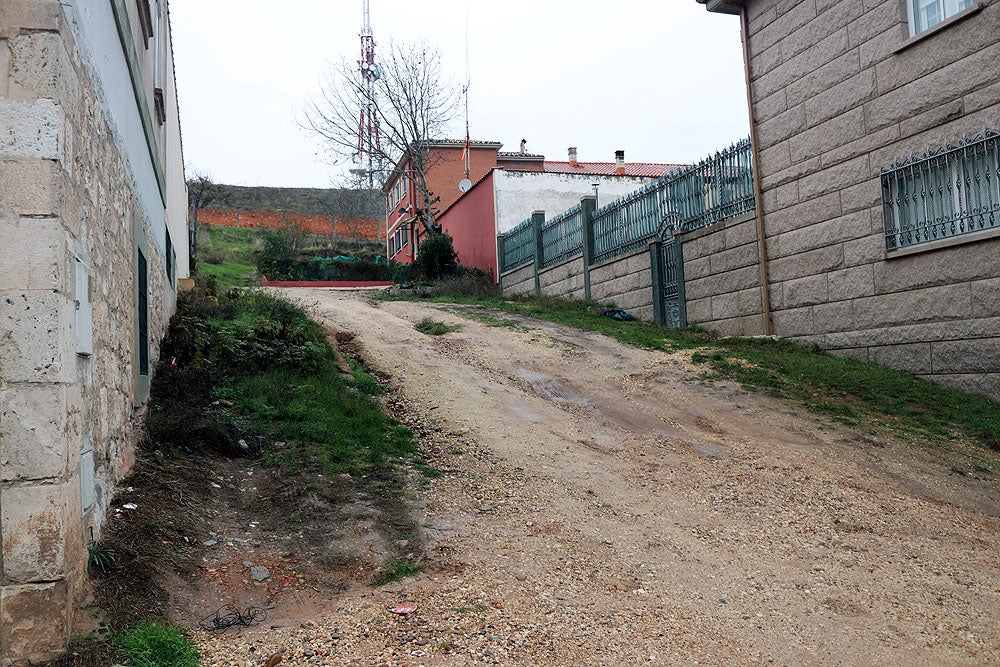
pixel 158 645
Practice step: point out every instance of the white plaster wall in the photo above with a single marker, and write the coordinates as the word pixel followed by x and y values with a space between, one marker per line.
pixel 518 193
pixel 173 159
pixel 96 35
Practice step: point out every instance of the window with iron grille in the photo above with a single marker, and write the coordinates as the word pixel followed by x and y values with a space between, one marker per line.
pixel 925 14
pixel 143 315
pixel 945 193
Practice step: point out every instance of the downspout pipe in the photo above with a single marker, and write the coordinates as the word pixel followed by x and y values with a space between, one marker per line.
pixel 761 241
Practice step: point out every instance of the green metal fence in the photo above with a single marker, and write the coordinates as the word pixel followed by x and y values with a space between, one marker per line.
pixel 717 188
pixel 562 236
pixel 517 247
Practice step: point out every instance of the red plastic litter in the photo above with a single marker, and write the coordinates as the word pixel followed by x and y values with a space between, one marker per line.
pixel 403 610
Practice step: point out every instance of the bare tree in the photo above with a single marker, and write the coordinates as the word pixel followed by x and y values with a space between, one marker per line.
pixel 202 191
pixel 413 103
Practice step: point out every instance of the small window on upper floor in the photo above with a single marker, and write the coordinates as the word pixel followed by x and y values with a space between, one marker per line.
pixel 925 14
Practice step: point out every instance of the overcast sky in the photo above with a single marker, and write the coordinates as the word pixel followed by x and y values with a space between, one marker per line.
pixel 661 79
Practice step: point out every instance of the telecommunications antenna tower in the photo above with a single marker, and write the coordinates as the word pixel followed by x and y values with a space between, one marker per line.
pixel 369 142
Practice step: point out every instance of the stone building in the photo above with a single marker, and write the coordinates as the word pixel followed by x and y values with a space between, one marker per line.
pixel 92 243
pixel 874 124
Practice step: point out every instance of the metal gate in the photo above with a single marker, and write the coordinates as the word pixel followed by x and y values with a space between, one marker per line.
pixel 668 282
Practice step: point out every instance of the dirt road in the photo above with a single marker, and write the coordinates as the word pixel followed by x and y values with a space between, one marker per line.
pixel 602 505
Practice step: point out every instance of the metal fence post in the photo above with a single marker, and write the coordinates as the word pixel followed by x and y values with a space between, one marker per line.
pixel 656 271
pixel 587 207
pixel 537 220
pixel 500 255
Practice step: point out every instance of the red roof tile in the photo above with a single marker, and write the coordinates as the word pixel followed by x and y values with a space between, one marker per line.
pixel 646 169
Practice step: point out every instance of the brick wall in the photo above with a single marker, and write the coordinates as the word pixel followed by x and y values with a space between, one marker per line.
pixel 722 277
pixel 316 225
pixel 840 91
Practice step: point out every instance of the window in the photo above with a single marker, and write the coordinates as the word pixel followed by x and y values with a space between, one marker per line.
pixel 925 14
pixel 943 194
pixel 171 260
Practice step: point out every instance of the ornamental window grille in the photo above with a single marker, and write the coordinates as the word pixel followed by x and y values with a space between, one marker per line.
pixel 945 193
pixel 925 14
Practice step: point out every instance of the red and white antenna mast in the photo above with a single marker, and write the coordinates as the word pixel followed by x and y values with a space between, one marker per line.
pixel 369 143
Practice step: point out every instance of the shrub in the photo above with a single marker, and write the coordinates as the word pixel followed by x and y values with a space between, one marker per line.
pixel 158 645
pixel 436 257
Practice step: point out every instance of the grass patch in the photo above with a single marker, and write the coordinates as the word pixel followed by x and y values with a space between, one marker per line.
pixel 434 328
pixel 158 645
pixel 397 570
pixel 849 391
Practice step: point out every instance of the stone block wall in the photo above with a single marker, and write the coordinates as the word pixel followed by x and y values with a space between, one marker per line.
pixel 840 91
pixel 518 282
pixel 627 282
pixel 563 280
pixel 722 277
pixel 66 196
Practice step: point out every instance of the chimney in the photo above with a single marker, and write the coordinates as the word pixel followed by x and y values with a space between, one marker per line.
pixel 572 156
pixel 524 142
pixel 620 163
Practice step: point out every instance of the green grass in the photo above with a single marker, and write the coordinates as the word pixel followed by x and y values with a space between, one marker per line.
pixel 434 328
pixel 228 274
pixel 227 254
pixel 397 570
pixel 871 397
pixel 158 645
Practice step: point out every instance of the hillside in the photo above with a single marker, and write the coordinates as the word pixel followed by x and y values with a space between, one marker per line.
pixel 319 201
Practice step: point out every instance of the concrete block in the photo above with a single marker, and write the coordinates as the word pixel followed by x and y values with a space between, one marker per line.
pixel 851 283
pixel 725 306
pixel 31 187
pixel 34 343
pixel 970 261
pixel 833 317
pixel 809 263
pixel 837 177
pixel 797 170
pixel 33 439
pixel 34 532
pixel 856 353
pixel 741 233
pixel 785 23
pixel 705 245
pixel 34 621
pixel 883 16
pixel 697 268
pixel 985 384
pixel 981 355
pixel 864 196
pixel 775 159
pixel 786 195
pixel 751 301
pixel 912 358
pixel 986 298
pixel 772 105
pixel 835 17
pixel 828 135
pixel 783 126
pixel 800 65
pixel 931 118
pixel 801 215
pixel 932 304
pixel 805 291
pixel 871 141
pixel 736 258
pixel 794 322
pixel 34 255
pixel 865 250
pixel 980 98
pixel 822 234
pixel 38 64
pixel 840 98
pixel 31 129
pixel 699 310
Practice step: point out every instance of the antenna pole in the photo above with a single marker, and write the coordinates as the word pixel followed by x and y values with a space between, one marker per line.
pixel 468 156
pixel 369 142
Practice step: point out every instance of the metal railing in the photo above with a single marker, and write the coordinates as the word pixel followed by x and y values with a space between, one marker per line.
pixel 562 236
pixel 517 247
pixel 717 188
pixel 944 193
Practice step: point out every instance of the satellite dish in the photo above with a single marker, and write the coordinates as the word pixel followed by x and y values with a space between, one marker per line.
pixel 465 185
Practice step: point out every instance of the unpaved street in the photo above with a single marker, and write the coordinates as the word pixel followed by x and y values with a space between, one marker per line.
pixel 602 505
